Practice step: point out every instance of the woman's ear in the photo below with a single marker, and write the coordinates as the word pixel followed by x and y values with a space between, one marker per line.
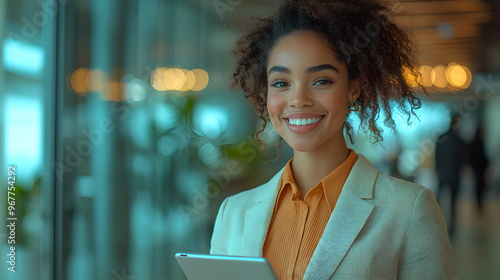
pixel 354 89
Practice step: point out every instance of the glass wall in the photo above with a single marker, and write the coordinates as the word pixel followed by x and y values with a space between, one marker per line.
pixel 125 136
pixel 27 140
pixel 150 135
pixel 123 111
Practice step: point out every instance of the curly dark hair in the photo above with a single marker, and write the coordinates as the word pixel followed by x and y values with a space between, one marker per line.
pixel 360 32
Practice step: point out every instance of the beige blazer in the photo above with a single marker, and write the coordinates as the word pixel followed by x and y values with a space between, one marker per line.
pixel 381 228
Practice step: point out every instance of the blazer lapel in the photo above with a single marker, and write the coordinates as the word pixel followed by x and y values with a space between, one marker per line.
pixel 346 221
pixel 258 217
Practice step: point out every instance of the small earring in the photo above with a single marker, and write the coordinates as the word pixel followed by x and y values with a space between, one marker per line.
pixel 353 106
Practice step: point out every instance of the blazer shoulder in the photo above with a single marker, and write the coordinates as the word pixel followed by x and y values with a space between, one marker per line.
pixel 397 188
pixel 246 196
pixel 404 184
pixel 367 182
pixel 253 195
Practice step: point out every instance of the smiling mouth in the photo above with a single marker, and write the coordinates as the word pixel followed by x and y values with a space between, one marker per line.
pixel 303 121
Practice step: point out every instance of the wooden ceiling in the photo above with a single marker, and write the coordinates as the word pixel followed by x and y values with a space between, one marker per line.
pixel 452 31
pixel 462 31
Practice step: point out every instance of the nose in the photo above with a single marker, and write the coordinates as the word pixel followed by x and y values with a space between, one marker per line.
pixel 300 98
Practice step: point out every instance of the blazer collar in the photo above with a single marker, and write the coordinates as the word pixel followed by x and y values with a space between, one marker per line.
pixel 361 181
pixel 346 221
pixel 258 217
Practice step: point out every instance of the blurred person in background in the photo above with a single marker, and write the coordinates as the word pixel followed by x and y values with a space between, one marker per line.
pixel 329 213
pixel 451 154
pixel 479 163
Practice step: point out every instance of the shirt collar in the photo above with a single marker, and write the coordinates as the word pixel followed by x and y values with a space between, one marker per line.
pixel 331 185
pixel 287 181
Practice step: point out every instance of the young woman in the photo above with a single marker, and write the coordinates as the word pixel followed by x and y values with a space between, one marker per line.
pixel 329 213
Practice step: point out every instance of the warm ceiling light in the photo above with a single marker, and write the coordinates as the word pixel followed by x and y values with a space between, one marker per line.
pixel 169 79
pixel 201 79
pixel 179 79
pixel 97 80
pixel 157 79
pixel 78 81
pixel 411 79
pixel 425 71
pixel 113 92
pixel 458 76
pixel 190 79
pixel 438 76
pixel 164 79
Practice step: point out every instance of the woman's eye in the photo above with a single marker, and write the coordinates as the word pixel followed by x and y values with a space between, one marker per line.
pixel 279 84
pixel 323 82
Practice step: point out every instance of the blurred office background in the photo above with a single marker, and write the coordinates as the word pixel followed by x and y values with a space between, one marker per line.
pixel 126 135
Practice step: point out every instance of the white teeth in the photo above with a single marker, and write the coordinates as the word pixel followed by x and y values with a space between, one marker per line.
pixel 303 121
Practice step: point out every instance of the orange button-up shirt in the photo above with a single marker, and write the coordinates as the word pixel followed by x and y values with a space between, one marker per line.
pixel 297 225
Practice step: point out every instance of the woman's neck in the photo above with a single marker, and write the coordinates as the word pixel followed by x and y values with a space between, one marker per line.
pixel 309 168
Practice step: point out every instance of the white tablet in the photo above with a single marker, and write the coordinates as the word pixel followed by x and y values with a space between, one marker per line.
pixel 213 267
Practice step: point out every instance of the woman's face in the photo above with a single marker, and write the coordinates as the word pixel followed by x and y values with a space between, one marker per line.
pixel 308 92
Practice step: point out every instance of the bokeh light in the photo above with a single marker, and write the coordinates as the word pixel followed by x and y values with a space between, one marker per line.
pixel 425 71
pixel 78 81
pixel 113 92
pixel 411 79
pixel 452 77
pixel 201 79
pixel 97 80
pixel 134 90
pixel 458 76
pixel 190 80
pixel 438 76
pixel 84 80
pixel 210 120
pixel 157 79
pixel 167 79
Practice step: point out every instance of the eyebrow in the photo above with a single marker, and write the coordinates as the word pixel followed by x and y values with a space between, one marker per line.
pixel 282 69
pixel 279 69
pixel 321 67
